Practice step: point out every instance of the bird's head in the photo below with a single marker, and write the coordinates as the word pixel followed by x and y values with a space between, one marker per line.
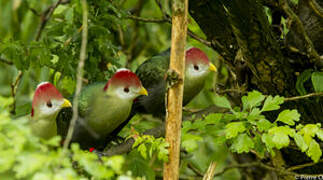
pixel 197 64
pixel 47 101
pixel 125 84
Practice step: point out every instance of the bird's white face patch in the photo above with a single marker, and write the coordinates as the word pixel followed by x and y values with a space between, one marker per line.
pixel 50 107
pixel 127 92
pixel 197 70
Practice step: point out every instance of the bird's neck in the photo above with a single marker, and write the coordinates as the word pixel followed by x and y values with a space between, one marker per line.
pixel 192 86
pixel 107 113
pixel 44 127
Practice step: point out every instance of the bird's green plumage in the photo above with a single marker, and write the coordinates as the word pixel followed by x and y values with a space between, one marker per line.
pixel 45 128
pixel 100 112
pixel 86 94
pixel 106 112
pixel 152 75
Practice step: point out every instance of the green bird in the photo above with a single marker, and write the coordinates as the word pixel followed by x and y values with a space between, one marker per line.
pixel 46 104
pixel 102 108
pixel 152 74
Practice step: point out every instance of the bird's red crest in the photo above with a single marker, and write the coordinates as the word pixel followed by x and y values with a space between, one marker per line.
pixel 194 55
pixel 45 91
pixel 123 77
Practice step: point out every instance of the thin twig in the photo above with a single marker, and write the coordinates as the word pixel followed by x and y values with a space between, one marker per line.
pixel 45 16
pixel 166 19
pixel 194 169
pixel 6 61
pixel 14 86
pixel 79 74
pixel 196 37
pixel 316 7
pixel 147 20
pixel 314 56
pixel 305 96
pixel 259 164
pixel 209 175
pixel 301 166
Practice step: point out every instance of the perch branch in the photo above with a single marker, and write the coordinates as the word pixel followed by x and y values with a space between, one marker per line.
pixel 14 86
pixel 127 146
pixel 157 132
pixel 79 74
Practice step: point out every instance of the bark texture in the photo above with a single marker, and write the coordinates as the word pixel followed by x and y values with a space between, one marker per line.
pixel 175 91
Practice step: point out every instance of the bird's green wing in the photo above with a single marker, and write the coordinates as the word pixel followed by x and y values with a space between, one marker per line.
pixel 86 94
pixel 153 71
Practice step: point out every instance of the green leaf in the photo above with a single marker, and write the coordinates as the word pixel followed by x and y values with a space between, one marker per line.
pixel 213 118
pixel 233 129
pixel 280 135
pixel 272 103
pixel 309 131
pixel 289 117
pixel 300 142
pixel 263 125
pixel 301 79
pixel 319 134
pixel 253 99
pixel 189 142
pixel 255 115
pixel 259 146
pixel 317 80
pixel 314 151
pixel 243 143
pixel 222 101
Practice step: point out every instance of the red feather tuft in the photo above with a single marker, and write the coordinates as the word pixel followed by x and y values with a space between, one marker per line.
pixel 195 55
pixel 124 77
pixel 44 92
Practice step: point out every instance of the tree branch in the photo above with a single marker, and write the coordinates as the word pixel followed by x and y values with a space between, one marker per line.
pixel 45 16
pixel 259 164
pixel 6 61
pixel 209 175
pixel 79 74
pixel 14 86
pixel 316 7
pixel 194 169
pixel 126 147
pixel 301 166
pixel 147 20
pixel 313 55
pixel 302 97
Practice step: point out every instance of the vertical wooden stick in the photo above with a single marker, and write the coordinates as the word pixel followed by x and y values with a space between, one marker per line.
pixel 209 175
pixel 175 93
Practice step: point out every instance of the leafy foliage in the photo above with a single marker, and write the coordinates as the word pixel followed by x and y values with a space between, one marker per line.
pixel 147 144
pixel 249 130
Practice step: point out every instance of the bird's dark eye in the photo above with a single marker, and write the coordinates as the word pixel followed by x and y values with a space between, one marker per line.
pixel 49 104
pixel 126 90
pixel 196 67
